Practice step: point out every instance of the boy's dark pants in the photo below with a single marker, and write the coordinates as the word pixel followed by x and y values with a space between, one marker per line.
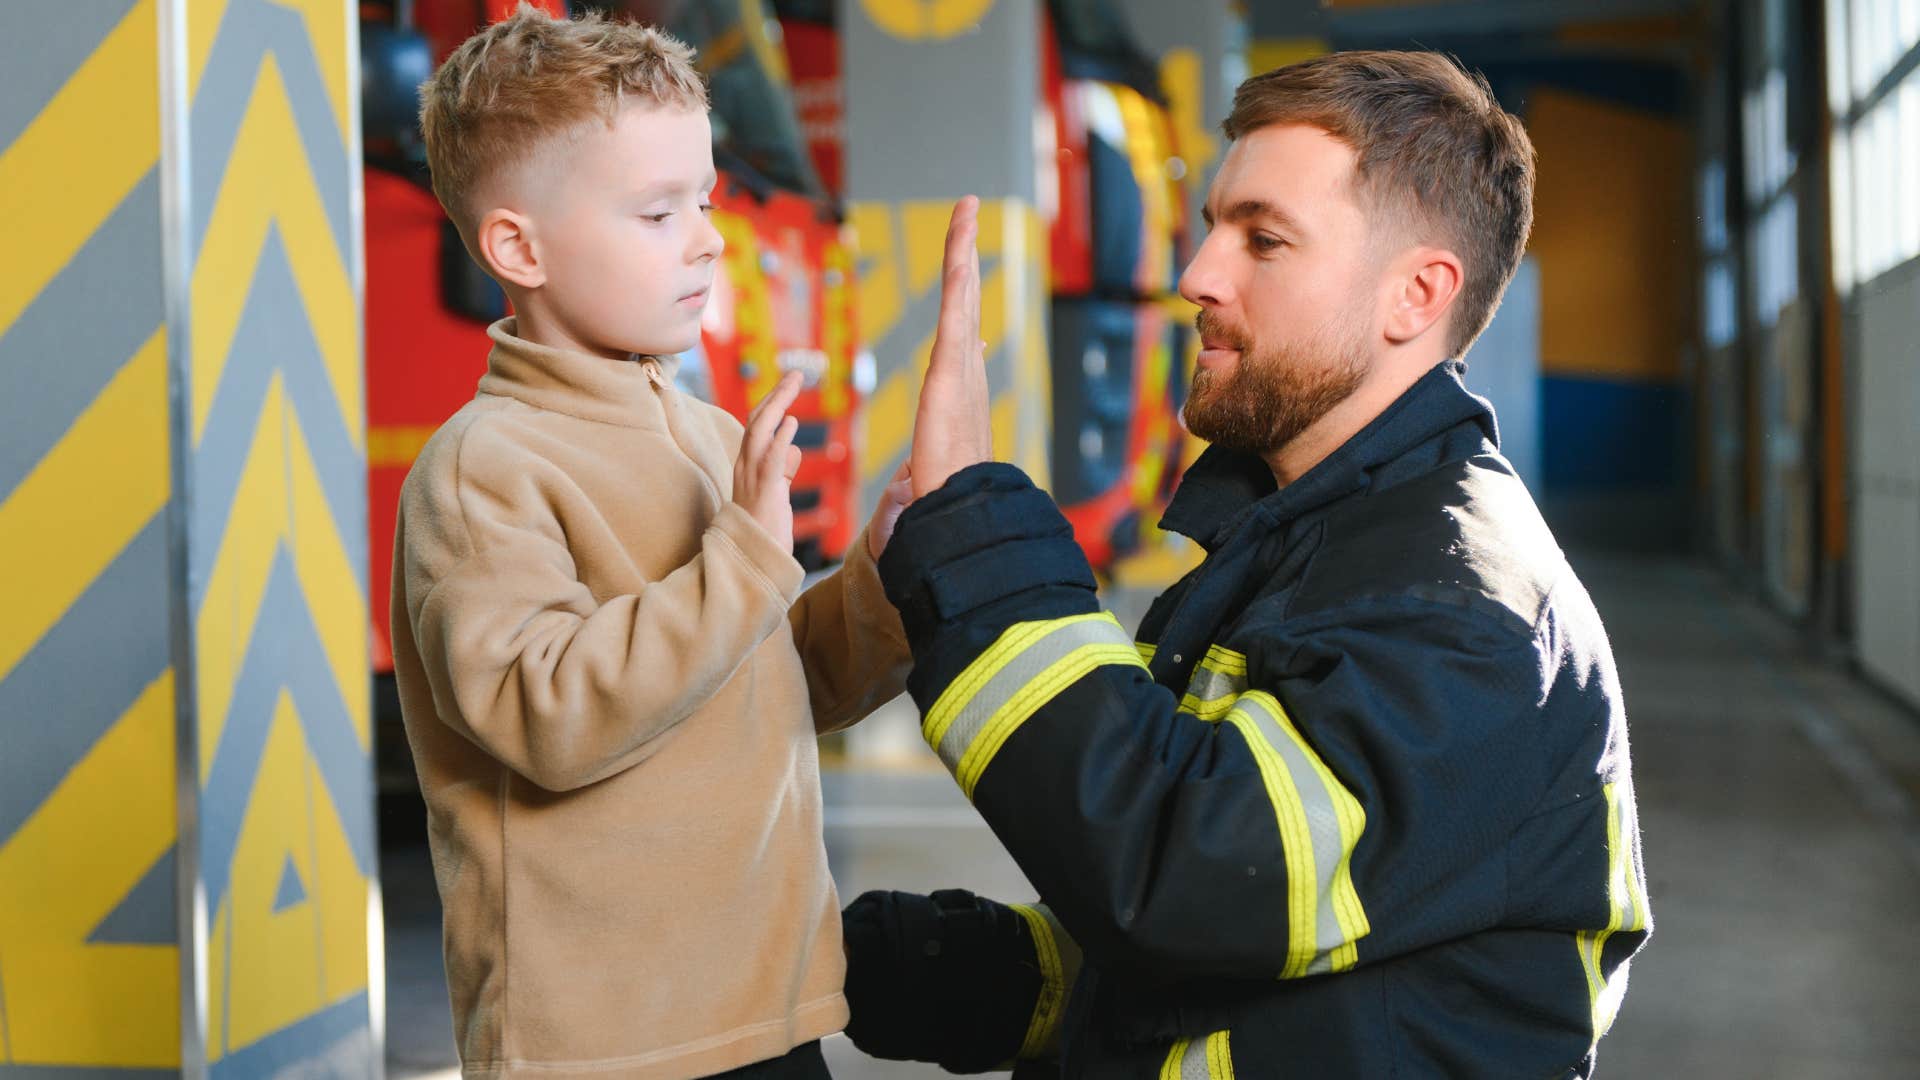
pixel 803 1062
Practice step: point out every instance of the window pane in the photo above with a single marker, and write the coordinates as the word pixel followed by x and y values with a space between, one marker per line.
pixel 1862 48
pixel 1713 207
pixel 1840 214
pixel 1891 46
pixel 1717 305
pixel 1839 93
pixel 1907 176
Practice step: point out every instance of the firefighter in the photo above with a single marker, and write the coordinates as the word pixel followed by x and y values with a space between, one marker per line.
pixel 1356 799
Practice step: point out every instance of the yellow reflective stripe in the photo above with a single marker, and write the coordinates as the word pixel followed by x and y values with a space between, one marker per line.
pixel 1176 1054
pixel 1217 682
pixel 1224 660
pixel 1059 960
pixel 1202 1059
pixel 1210 710
pixel 1626 909
pixel 1147 649
pixel 1020 672
pixel 1011 643
pixel 1296 845
pixel 1219 1057
pixel 1320 823
pixel 1007 719
pixel 1352 819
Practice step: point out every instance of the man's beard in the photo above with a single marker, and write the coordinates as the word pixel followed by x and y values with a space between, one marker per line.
pixel 1274 395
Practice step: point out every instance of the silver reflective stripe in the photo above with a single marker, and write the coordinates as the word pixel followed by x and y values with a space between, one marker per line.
pixel 1020 671
pixel 1323 822
pixel 1210 685
pixel 1193 1063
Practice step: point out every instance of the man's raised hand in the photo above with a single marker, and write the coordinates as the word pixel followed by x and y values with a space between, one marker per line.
pixel 954 425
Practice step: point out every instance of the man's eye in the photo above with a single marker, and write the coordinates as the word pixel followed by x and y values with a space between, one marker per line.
pixel 657 218
pixel 1263 243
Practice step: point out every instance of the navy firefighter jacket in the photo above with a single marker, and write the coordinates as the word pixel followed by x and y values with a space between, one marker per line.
pixel 1354 802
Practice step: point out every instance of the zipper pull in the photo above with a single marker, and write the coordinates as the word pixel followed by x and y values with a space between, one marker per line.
pixel 653 373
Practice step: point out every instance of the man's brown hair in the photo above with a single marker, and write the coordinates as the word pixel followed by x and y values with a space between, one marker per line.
pixel 1437 158
pixel 530 77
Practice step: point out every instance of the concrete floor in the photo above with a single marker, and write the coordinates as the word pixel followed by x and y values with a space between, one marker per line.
pixel 1777 801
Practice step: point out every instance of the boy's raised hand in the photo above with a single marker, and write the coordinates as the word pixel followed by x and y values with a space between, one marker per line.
pixel 894 500
pixel 954 425
pixel 763 473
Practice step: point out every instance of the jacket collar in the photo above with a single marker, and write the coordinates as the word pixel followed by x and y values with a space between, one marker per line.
pixel 625 393
pixel 1223 483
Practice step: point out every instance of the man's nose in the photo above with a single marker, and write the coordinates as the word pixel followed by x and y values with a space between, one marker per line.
pixel 1204 281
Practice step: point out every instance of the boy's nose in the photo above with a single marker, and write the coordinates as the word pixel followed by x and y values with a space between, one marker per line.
pixel 710 243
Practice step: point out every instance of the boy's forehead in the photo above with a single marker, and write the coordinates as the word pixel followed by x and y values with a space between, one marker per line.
pixel 657 140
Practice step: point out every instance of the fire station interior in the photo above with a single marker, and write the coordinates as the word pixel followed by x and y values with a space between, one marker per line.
pixel 233 313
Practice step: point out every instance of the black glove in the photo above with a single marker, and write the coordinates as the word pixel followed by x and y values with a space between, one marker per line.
pixel 949 978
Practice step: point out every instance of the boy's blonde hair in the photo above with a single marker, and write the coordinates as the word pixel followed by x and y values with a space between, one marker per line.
pixel 524 80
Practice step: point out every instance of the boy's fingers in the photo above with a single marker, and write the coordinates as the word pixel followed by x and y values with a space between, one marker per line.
pixel 769 414
pixel 793 461
pixel 780 447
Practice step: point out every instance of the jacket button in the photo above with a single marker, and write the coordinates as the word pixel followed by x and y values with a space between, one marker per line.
pixel 1177 658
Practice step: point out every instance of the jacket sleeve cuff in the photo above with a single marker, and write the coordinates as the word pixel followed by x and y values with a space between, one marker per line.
pixel 776 567
pixel 985 536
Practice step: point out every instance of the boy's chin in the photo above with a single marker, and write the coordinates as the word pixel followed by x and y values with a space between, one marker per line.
pixel 668 344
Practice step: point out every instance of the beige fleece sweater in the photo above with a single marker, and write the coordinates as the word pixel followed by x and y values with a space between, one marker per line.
pixel 612 686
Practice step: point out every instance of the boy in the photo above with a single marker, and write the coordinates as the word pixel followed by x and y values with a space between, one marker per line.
pixel 612 709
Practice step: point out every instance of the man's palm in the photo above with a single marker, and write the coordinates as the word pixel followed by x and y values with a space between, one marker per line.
pixel 954 425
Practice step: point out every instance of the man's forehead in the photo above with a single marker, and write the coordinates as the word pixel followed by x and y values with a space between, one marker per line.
pixel 1284 164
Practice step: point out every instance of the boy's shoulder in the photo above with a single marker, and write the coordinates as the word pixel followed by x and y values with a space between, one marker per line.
pixel 476 424
pixel 481 449
pixel 480 466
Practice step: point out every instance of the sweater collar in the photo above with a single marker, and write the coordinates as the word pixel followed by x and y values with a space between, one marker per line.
pixel 625 393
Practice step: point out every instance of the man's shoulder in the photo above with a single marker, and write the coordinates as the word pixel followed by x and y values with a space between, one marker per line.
pixel 1466 533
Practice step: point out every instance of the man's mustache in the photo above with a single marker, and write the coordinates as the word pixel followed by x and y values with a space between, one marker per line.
pixel 1214 329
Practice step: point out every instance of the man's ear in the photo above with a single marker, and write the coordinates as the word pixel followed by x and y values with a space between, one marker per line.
pixel 504 240
pixel 1428 280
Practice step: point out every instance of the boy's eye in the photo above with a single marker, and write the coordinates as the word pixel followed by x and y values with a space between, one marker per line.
pixel 657 218
pixel 706 208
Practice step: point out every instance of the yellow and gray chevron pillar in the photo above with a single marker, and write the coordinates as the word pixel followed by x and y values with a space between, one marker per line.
pixel 188 882
pixel 942 95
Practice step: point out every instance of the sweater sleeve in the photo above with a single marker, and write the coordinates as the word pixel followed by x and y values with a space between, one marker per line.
pixel 563 687
pixel 851 642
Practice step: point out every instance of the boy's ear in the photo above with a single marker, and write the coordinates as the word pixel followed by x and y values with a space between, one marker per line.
pixel 504 241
